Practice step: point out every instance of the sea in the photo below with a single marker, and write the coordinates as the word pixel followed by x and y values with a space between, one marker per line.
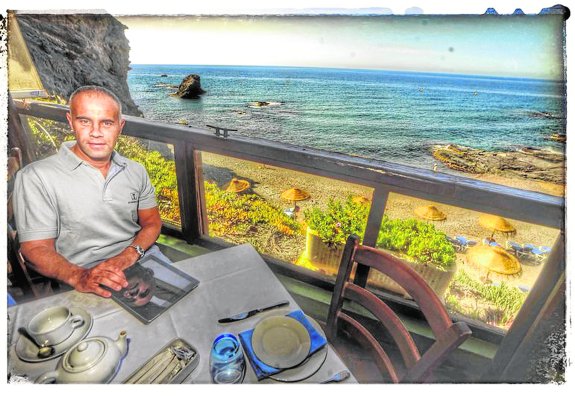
pixel 387 115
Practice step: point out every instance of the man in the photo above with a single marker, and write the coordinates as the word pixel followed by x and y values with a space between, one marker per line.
pixel 86 213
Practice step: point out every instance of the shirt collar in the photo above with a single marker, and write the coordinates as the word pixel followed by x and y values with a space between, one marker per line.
pixel 72 161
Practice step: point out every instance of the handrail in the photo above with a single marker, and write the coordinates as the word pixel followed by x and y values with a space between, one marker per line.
pixel 521 205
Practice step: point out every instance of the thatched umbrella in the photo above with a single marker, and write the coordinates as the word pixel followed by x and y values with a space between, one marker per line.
pixel 430 212
pixel 237 185
pixel 496 224
pixel 494 259
pixel 295 195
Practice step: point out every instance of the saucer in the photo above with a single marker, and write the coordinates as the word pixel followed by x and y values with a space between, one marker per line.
pixel 26 350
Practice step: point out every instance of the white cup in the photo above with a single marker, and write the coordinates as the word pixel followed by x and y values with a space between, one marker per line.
pixel 53 325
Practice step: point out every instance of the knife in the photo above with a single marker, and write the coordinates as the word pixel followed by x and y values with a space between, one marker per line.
pixel 247 314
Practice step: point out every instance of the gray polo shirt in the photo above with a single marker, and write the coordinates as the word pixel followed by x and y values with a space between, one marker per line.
pixel 91 218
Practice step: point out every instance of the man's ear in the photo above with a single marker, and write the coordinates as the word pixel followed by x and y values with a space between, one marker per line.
pixel 122 123
pixel 69 118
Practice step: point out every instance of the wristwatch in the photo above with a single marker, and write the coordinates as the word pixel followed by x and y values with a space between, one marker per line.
pixel 139 249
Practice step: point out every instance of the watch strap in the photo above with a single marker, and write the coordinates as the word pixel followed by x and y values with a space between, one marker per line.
pixel 139 250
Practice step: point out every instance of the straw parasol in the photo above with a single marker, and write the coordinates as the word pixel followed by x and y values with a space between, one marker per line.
pixel 494 259
pixel 360 200
pixel 496 224
pixel 237 185
pixel 430 212
pixel 295 195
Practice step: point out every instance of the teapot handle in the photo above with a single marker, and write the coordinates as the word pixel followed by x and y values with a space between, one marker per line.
pixel 47 378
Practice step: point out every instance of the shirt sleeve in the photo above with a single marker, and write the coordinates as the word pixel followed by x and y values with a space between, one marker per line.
pixel 147 193
pixel 35 214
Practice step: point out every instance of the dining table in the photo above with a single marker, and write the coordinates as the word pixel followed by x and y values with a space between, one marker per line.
pixel 231 281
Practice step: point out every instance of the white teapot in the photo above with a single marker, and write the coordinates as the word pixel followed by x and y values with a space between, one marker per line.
pixel 92 360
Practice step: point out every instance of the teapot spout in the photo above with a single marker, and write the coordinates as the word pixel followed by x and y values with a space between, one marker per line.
pixel 122 343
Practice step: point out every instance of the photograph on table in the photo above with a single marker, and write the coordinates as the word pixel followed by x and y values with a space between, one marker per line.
pixel 153 287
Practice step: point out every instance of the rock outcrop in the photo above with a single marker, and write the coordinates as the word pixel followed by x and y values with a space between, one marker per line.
pixel 71 50
pixel 190 87
pixel 526 163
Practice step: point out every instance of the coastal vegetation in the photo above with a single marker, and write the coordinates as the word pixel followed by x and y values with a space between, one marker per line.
pixel 495 304
pixel 338 221
pixel 419 241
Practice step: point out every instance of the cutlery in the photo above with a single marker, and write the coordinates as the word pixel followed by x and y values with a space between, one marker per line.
pixel 247 314
pixel 337 377
pixel 44 351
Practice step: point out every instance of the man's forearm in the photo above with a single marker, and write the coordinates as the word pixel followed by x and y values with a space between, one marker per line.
pixel 145 238
pixel 45 260
pixel 151 224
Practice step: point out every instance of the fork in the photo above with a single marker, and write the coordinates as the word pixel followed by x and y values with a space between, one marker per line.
pixel 337 377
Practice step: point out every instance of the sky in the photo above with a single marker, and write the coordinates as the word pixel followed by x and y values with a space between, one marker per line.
pixel 527 46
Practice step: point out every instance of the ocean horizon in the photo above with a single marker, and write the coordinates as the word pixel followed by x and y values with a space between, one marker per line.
pixel 393 116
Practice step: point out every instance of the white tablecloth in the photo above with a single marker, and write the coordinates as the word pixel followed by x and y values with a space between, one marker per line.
pixel 232 280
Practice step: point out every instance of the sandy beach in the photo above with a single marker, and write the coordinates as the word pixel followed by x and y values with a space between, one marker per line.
pixel 270 181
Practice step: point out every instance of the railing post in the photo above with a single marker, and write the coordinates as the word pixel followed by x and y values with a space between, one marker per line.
pixel 188 195
pixel 378 203
pixel 531 315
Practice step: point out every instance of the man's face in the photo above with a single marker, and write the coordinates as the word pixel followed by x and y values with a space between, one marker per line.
pixel 95 119
pixel 141 287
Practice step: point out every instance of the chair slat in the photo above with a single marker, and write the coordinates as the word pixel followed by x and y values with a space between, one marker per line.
pixel 384 360
pixel 454 336
pixel 448 335
pixel 388 319
pixel 430 305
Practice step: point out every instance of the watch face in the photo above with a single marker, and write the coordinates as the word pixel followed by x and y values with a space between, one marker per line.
pixel 139 250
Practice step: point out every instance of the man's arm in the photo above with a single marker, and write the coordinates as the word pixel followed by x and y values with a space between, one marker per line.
pixel 44 259
pixel 151 223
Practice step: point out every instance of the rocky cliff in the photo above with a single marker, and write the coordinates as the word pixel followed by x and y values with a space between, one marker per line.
pixel 79 49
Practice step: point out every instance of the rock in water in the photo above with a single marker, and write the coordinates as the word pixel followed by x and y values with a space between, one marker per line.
pixel 527 163
pixel 190 88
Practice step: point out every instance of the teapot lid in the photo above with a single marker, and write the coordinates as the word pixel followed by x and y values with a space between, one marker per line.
pixel 85 355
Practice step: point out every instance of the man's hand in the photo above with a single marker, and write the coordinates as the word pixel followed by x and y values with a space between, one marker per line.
pixel 91 280
pixel 109 273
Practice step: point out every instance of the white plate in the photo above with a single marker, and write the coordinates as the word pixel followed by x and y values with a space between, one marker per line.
pixel 281 341
pixel 28 351
pixel 309 367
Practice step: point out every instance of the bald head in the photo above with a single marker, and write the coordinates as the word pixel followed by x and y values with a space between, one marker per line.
pixel 96 90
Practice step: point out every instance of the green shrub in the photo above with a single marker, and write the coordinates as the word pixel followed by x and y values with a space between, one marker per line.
pixel 231 213
pixel 338 221
pixel 418 240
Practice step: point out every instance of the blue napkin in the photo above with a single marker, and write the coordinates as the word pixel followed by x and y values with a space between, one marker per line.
pixel 261 369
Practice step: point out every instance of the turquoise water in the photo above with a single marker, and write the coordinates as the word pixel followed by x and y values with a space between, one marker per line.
pixel 391 116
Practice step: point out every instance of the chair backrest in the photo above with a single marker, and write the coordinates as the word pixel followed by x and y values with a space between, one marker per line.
pixel 414 367
pixel 29 281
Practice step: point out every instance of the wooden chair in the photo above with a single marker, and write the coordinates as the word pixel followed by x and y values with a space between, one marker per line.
pixel 31 283
pixel 412 366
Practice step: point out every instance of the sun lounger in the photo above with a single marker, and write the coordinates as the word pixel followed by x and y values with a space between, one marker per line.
pixel 540 253
pixel 490 242
pixel 461 243
pixel 518 249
